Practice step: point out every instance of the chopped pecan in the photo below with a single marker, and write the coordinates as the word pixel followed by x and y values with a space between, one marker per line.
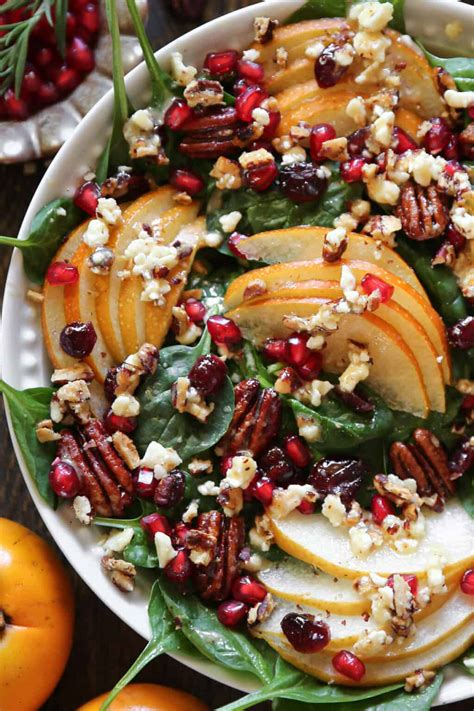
pixel 466 142
pixel 256 419
pixel 264 28
pixel 122 573
pixel 423 211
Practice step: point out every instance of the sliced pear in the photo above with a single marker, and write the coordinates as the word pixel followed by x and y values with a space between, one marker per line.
pixel 305 243
pixel 320 109
pixel 313 540
pixel 377 673
pixel 401 385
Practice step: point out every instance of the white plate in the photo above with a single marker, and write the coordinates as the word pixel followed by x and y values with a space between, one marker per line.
pixel 23 357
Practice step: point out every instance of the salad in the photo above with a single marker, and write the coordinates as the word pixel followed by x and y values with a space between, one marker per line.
pixel 258 312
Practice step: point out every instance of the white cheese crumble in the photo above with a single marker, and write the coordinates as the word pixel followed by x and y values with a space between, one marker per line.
pixel 126 405
pixel 334 510
pixel 357 370
pixel 180 72
pixel 191 511
pixel 82 510
pixel 109 211
pixel 287 500
pixel 118 540
pixel 261 116
pixel 372 16
pixel 208 489
pixel 250 55
pixel 459 99
pixel 160 459
pixel 164 549
pixel 360 540
pixel 241 472
pixel 96 234
pixel 230 221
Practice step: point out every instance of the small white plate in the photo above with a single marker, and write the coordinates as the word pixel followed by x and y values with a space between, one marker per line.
pixel 23 356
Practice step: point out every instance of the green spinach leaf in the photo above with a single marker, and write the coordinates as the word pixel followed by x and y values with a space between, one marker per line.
pixel 27 408
pixel 48 228
pixel 465 491
pixel 316 9
pixel 468 661
pixel 460 68
pixel 440 423
pixel 159 420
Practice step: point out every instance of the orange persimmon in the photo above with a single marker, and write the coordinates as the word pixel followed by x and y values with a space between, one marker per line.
pixel 37 624
pixel 148 697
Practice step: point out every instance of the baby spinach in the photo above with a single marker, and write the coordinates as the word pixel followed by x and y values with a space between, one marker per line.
pixel 460 68
pixel 159 420
pixel 27 408
pixel 48 228
pixel 440 423
pixel 316 9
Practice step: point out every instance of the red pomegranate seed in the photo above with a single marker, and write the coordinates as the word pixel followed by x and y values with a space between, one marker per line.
pixel 311 368
pixel 452 167
pixel 117 423
pixel 404 141
pixel 31 81
pixel 251 71
pixel 90 18
pixel 461 335
pixel 233 242
pixel 411 580
pixel 177 113
pixel 231 612
pixel 455 238
pixel 44 57
pixel 86 197
pixel 67 80
pixel 208 374
pixel 381 507
pixel 297 450
pixel 370 283
pixel 351 170
pixel 451 151
pixel 186 181
pixel 307 507
pixel 47 93
pixel 320 133
pixel 305 634
pixel 221 63
pixel 195 310
pixel 467 582
pixel 270 130
pixel 145 483
pixel 276 349
pixel 263 490
pixel 80 56
pixel 16 107
pixel 247 589
pixel 71 25
pixel 249 100
pixel 179 535
pixel 60 273
pixel 260 177
pixel 155 523
pixel 44 32
pixel 180 568
pixel 223 331
pixel 63 479
pixel 348 665
pixel 437 138
pixel 225 465
pixel 298 351
pixel 77 339
pixel 240 86
pixel 356 142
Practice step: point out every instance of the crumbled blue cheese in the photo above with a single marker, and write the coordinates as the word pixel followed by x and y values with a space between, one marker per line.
pixel 285 501
pixel 250 55
pixel 149 256
pixel 160 459
pixel 230 221
pixel 358 368
pixel 96 234
pixel 164 549
pixel 372 16
pixel 241 472
pixel 183 74
pixel 209 488
pixel 261 116
pixel 360 540
pixel 334 510
pixel 126 405
pixel 313 392
pixel 109 211
pixel 139 132
pixel 119 539
pixel 459 99
pixel 261 535
pixel 191 511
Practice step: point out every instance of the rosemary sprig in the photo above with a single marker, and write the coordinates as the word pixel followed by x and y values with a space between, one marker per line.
pixel 15 41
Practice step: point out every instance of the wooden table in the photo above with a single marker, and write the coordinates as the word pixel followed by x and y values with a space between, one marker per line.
pixel 104 647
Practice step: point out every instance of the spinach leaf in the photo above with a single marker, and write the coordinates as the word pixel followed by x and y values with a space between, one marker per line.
pixel 460 68
pixel 27 408
pixel 49 226
pixel 440 423
pixel 316 9
pixel 213 285
pixel 159 420
pixel 141 550
pixel 468 661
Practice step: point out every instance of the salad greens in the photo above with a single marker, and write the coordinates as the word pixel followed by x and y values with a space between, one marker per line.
pixel 317 9
pixel 460 68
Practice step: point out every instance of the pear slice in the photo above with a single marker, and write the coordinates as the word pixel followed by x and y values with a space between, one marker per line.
pixel 313 540
pixel 306 243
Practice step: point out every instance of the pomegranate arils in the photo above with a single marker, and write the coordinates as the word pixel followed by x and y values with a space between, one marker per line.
pixel 247 589
pixel 180 568
pixel 270 130
pixel 351 170
pixel 60 273
pixel 260 177
pixel 348 665
pixel 233 243
pixel 186 181
pixel 437 138
pixel 461 335
pixel 455 238
pixel 302 182
pixel 311 368
pixel 356 142
pixel 319 134
pixel 231 612
pixel 411 580
pixel 145 483
pixel 326 70
pixel 223 331
pixel 371 283
pixel 63 479
pixel 263 490
pixel 467 582
pixel 208 374
pixel 90 18
pixel 381 507
pixel 86 197
pixel 298 351
pixel 80 56
pixel 78 339
pixel 195 310
pixel 240 86
pixel 305 634
pixel 177 113
pixel 276 349
pixel 404 142
pixel 297 451
pixel 451 150
pixel 16 108
pixel 31 81
pixel 251 71
pixel 249 100
pixel 118 423
pixel 170 490
pixel 221 63
pixel 179 535
pixel 47 93
pixel 155 523
pixel 307 507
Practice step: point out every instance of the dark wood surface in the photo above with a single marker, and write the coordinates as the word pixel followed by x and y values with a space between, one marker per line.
pixel 104 647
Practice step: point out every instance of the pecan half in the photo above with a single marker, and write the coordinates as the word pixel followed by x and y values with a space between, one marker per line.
pixel 423 211
pixel 216 133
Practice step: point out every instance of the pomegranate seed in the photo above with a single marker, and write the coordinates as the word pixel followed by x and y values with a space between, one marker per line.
pixel 179 535
pixel 221 63
pixel 31 81
pixel 404 142
pixel 263 490
pixel 348 665
pixel 297 451
pixel 78 339
pixel 44 57
pixel 44 32
pixel 356 142
pixel 276 349
pixel 90 18
pixel 232 243
pixel 452 167
pixel 63 479
pixel 451 151
pixel 155 523
pixel 67 80
pixel 455 238
pixel 302 182
pixel 86 197
pixel 16 108
pixel 47 93
pixel 307 507
pixel 298 351
pixel 371 283
pixel 231 612
pixel 326 70
pixel 437 138
pixel 117 423
pixel 225 465
pixel 270 130
pixel 461 335
pixel 177 113
pixel 311 368
pixel 180 568
pixel 381 507
pixel 411 580
pixel 186 181
pixel 260 177
pixel 195 310
pixel 80 56
pixel 249 100
pixel 306 634
pixel 251 71
pixel 60 273
pixel 467 582
pixel 462 459
pixel 240 86
pixel 351 170
pixel 71 25
pixel 145 483
pixel 320 133
pixel 247 589
pixel 276 465
pixel 468 403
pixel 223 331
pixel 208 374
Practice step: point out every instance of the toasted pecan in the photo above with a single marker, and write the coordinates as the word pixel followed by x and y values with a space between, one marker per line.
pixel 423 211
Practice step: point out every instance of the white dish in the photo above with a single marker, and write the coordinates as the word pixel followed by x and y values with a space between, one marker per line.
pixel 23 356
